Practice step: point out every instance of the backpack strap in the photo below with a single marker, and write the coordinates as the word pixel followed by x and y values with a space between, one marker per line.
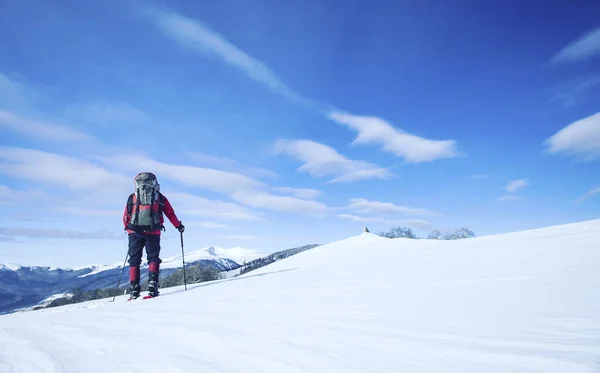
pixel 161 203
pixel 130 210
pixel 130 204
pixel 161 207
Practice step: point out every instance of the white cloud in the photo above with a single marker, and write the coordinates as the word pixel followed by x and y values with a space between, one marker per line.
pixel 585 47
pixel 411 223
pixel 375 207
pixel 262 200
pixel 205 159
pixel 231 165
pixel 210 225
pixel 508 198
pixel 79 211
pixel 240 188
pixel 187 204
pixel 580 139
pixel 238 237
pixel 104 113
pixel 12 196
pixel 208 178
pixel 56 233
pixel 413 149
pixel 17 96
pixel 40 129
pixel 59 170
pixel 259 173
pixel 513 185
pixel 570 93
pixel 321 160
pixel 99 184
pixel 588 194
pixel 302 193
pixel 195 34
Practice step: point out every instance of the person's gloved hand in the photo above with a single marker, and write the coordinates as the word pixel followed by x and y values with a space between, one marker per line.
pixel 181 228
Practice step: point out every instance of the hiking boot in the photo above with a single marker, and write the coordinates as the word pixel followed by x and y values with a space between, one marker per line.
pixel 134 290
pixel 153 288
pixel 153 282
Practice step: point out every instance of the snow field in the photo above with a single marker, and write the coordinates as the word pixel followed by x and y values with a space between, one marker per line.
pixel 521 302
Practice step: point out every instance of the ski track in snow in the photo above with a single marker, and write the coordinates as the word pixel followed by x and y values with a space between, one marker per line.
pixel 511 303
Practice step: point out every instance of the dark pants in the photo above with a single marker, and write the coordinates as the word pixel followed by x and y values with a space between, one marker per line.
pixel 137 241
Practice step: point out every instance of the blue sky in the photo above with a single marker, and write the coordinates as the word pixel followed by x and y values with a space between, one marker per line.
pixel 276 124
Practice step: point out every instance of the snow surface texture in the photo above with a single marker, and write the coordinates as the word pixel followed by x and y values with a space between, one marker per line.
pixel 522 302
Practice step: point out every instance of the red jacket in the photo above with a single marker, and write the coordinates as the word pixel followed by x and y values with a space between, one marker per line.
pixel 167 210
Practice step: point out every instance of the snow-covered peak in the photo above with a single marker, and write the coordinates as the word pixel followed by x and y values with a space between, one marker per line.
pixel 236 254
pixel 16 267
pixel 10 267
pixel 100 268
pixel 90 266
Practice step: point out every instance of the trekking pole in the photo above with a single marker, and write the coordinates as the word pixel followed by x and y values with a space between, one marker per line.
pixel 183 260
pixel 121 275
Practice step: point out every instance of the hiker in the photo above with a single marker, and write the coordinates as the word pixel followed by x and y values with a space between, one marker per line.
pixel 143 220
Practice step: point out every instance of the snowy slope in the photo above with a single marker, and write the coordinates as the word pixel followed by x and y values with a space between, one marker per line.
pixel 522 302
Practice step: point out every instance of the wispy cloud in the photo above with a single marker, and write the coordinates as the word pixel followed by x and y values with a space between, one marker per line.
pixel 363 205
pixel 213 161
pixel 204 177
pixel 188 204
pixel 588 194
pixel 412 148
pixel 106 113
pixel 320 160
pixel 15 95
pixel 13 196
pixel 263 200
pixel 230 164
pixel 238 237
pixel 569 93
pixel 51 169
pixel 195 34
pixel 585 47
pixel 302 193
pixel 259 173
pixel 240 188
pixel 56 233
pixel 514 185
pixel 44 130
pixel 411 223
pixel 210 225
pixel 580 139
pixel 96 183
pixel 479 176
pixel 79 211
pixel 508 198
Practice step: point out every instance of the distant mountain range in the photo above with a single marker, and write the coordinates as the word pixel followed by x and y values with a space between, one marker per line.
pixel 22 287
